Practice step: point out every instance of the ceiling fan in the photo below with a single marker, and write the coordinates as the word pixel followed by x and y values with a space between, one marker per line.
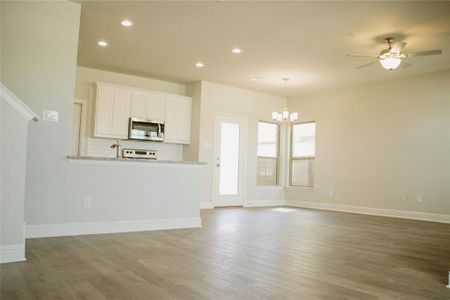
pixel 391 57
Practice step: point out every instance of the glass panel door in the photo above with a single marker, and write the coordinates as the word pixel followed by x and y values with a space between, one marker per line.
pixel 229 155
pixel 229 159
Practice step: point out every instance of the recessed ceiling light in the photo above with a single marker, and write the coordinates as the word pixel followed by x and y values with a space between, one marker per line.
pixel 126 23
pixel 199 65
pixel 256 78
pixel 102 43
pixel 236 51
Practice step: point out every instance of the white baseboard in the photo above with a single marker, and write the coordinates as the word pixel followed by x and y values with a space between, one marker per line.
pixel 12 253
pixel 206 205
pixel 70 229
pixel 404 214
pixel 257 203
pixel 448 285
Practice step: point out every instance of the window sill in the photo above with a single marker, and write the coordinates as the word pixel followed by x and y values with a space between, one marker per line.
pixel 300 188
pixel 269 187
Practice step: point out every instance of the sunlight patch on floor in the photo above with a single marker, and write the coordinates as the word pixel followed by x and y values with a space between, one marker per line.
pixel 283 209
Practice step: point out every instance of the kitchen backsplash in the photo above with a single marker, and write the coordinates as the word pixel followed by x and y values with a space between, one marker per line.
pixel 101 147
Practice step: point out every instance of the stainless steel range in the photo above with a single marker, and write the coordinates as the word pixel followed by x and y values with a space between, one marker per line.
pixel 138 153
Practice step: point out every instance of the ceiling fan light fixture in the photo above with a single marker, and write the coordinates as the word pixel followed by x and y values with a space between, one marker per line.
pixel 390 63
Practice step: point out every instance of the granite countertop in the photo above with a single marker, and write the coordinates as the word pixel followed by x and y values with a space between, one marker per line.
pixel 142 160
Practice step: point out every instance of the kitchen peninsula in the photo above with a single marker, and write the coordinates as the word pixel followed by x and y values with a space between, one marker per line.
pixel 104 160
pixel 123 195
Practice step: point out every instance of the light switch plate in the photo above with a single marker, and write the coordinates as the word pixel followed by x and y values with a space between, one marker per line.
pixel 50 116
pixel 87 202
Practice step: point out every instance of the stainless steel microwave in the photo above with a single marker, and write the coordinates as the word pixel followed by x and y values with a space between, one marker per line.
pixel 146 130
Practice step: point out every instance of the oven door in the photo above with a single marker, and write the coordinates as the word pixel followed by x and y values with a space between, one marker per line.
pixel 143 129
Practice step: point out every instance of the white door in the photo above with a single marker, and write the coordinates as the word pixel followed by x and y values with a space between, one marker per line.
pixel 76 129
pixel 229 165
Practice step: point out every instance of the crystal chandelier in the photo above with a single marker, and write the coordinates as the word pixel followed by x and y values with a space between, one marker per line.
pixel 285 116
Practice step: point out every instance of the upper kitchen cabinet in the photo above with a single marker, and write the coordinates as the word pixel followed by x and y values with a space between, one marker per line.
pixel 147 105
pixel 178 120
pixel 116 104
pixel 112 111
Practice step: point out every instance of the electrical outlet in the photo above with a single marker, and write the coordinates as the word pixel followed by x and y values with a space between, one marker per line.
pixel 331 193
pixel 419 198
pixel 50 116
pixel 403 197
pixel 87 202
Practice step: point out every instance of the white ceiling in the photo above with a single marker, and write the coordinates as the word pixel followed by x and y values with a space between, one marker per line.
pixel 306 41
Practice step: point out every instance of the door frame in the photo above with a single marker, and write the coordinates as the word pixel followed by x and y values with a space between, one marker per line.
pixel 242 179
pixel 83 125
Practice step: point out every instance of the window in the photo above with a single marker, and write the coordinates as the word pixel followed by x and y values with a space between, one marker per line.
pixel 267 165
pixel 303 152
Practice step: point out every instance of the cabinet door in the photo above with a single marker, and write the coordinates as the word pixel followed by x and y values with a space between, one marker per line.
pixel 155 108
pixel 104 111
pixel 121 113
pixel 178 120
pixel 171 120
pixel 184 121
pixel 139 105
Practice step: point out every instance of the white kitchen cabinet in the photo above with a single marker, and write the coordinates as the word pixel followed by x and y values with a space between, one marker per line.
pixel 121 113
pixel 116 104
pixel 156 107
pixel 147 105
pixel 139 105
pixel 104 111
pixel 178 120
pixel 112 112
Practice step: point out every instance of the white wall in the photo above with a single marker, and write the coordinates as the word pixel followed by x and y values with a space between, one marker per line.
pixel 256 106
pixel 378 141
pixel 85 90
pixel 40 69
pixel 119 192
pixel 13 165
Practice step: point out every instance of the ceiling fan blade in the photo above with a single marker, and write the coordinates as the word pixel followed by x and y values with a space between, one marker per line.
pixel 398 47
pixel 366 65
pixel 362 55
pixel 405 64
pixel 425 53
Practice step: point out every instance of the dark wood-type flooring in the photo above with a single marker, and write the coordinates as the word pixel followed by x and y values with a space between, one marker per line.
pixel 243 253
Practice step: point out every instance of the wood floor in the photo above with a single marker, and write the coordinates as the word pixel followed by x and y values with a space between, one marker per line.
pixel 240 253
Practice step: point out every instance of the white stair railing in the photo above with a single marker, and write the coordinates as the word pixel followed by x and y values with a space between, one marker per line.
pixel 17 104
